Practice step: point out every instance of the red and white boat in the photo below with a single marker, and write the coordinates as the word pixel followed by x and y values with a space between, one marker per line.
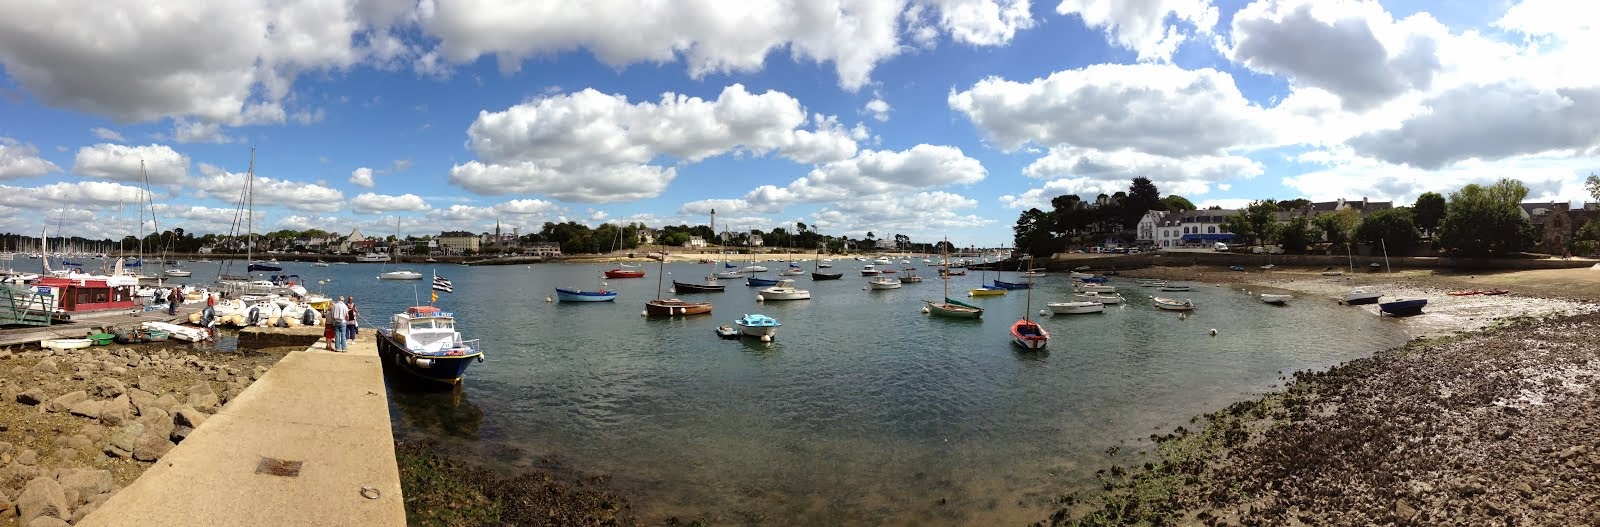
pixel 80 293
pixel 1029 334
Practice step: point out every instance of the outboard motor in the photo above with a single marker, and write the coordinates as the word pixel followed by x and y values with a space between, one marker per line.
pixel 253 317
pixel 308 317
pixel 208 316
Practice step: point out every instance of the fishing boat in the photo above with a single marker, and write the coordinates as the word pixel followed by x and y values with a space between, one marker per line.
pixel 759 326
pixel 950 308
pixel 1172 304
pixel 1098 297
pixel 1278 299
pixel 879 283
pixel 1025 332
pixel 1174 287
pixel 81 293
pixel 784 290
pixel 1076 308
pixel 910 276
pixel 423 341
pixel 869 270
pixel 711 286
pixel 671 307
pixel 1402 308
pixel 1093 288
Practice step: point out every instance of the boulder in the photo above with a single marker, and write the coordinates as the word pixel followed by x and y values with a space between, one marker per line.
pixel 180 433
pixel 148 383
pixel 29 457
pixel 6 447
pixel 124 440
pixel 42 497
pixel 165 402
pixel 107 388
pixel 158 421
pixel 89 409
pixel 31 397
pixel 47 365
pixel 65 402
pixel 189 417
pixel 87 482
pixel 80 442
pixel 207 401
pixel 151 447
pixel 48 521
pixel 116 411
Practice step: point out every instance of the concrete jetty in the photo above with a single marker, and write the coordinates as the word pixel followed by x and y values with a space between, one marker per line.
pixel 307 444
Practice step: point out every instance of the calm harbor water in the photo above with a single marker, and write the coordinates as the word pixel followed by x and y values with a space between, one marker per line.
pixel 864 410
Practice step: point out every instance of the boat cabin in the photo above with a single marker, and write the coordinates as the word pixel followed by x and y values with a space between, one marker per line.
pixel 427 330
pixel 82 293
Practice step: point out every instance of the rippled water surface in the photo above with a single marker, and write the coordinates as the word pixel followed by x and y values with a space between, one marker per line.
pixel 864 411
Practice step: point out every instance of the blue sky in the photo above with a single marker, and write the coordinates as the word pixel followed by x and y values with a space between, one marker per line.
pixel 930 118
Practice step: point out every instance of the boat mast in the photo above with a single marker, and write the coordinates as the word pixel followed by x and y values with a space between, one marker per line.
pixel 946 250
pixel 661 273
pixel 250 212
pixel 1385 244
pixel 1027 310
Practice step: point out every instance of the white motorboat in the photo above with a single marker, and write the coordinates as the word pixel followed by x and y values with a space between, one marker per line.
pixel 320 263
pixel 1174 287
pixel 1080 276
pixel 1094 288
pixel 1173 304
pixel 373 257
pixel 1076 308
pixel 755 269
pixel 1275 298
pixel 178 273
pixel 730 274
pixel 825 263
pixel 785 290
pixel 1358 297
pixel 1103 298
pixel 883 261
pixel 883 282
pixel 759 326
pixel 792 271
pixel 400 274
pixel 869 270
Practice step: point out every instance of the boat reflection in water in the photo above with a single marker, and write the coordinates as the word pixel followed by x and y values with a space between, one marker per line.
pixel 426 410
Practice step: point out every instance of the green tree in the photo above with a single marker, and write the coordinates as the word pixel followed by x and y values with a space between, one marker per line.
pixel 1428 211
pixel 1486 220
pixel 1338 226
pixel 1299 233
pixel 1031 234
pixel 1257 222
pixel 1175 202
pixel 1392 228
pixel 674 239
pixel 1293 204
pixel 1593 186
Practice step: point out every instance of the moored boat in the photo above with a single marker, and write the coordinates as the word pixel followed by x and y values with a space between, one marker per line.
pixel 826 276
pixel 910 276
pixel 400 274
pixel 727 332
pixel 1025 332
pixel 672 307
pixel 883 282
pixel 760 282
pixel 1097 297
pixel 869 270
pixel 183 333
pixel 1271 298
pixel 784 290
pixel 1172 304
pixel 65 344
pixel 1094 288
pixel 1357 297
pixel 1174 287
pixel 423 341
pixel 578 295
pixel 1076 308
pixel 759 326
pixel 711 286
pixel 624 273
pixel 1405 307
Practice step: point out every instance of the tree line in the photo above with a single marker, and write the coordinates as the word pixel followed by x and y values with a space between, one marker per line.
pixel 1071 221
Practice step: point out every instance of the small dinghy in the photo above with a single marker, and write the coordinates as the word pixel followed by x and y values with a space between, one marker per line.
pixel 727 332
pixel 65 344
pixel 1276 299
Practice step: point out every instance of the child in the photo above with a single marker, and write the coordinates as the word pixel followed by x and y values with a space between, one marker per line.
pixel 328 329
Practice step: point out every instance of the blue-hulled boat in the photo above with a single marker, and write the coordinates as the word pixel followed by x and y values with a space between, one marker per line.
pixel 1092 280
pixel 263 268
pixel 1401 308
pixel 729 265
pixel 577 295
pixel 760 282
pixel 1001 284
pixel 424 342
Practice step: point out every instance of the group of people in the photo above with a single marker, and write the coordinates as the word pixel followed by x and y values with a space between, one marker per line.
pixel 341 323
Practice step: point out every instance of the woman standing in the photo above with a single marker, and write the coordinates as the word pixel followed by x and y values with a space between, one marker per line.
pixel 350 324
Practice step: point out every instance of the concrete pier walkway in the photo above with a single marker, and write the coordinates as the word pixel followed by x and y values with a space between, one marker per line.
pixel 307 444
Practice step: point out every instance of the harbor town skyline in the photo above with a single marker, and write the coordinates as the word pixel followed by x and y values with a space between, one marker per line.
pixel 919 118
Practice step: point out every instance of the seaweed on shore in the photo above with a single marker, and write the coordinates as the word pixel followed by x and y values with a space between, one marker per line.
pixel 1433 430
pixel 445 491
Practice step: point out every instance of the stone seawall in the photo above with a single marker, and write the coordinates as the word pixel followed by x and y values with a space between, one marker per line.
pixel 1065 261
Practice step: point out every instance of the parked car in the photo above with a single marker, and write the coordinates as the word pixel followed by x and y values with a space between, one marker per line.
pixel 1221 247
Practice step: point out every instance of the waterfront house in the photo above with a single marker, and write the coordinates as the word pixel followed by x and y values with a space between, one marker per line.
pixel 545 249
pixel 1202 228
pixel 457 242
pixel 1158 228
pixel 351 243
pixel 695 242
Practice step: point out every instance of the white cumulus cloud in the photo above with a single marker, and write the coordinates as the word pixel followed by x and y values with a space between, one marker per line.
pixel 162 164
pixel 18 160
pixel 371 203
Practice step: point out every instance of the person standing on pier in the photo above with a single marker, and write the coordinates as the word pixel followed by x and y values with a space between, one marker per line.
pixel 350 322
pixel 172 300
pixel 340 312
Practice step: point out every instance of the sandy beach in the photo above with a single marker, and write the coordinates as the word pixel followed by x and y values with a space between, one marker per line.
pixel 1485 417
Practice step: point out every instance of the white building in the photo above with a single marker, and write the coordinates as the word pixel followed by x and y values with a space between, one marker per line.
pixel 1160 229
pixel 885 243
pixel 1203 227
pixel 695 242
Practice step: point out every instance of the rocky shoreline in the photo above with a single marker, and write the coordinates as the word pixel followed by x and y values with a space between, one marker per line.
pixel 1491 423
pixel 76 426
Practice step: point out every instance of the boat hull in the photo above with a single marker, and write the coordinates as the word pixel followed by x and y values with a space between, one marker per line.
pixel 1401 308
pixel 984 291
pixel 1010 285
pixel 676 308
pixel 624 273
pixel 826 276
pixel 1101 298
pixel 400 275
pixel 798 294
pixel 758 331
pixel 952 310
pixel 759 282
pixel 440 369
pixel 685 287
pixel 1361 299
pixel 1275 299
pixel 1029 335
pixel 573 295
pixel 1076 308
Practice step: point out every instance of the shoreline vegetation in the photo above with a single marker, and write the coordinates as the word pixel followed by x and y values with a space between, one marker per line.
pixel 1490 422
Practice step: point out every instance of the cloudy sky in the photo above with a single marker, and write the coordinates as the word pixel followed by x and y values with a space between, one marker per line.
pixel 923 117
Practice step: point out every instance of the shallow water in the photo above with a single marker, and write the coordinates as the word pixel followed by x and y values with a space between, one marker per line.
pixel 864 411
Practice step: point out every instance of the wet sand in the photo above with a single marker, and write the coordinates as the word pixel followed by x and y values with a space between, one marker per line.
pixel 1488 420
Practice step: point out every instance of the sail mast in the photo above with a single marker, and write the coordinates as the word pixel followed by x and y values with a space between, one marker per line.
pixel 250 211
